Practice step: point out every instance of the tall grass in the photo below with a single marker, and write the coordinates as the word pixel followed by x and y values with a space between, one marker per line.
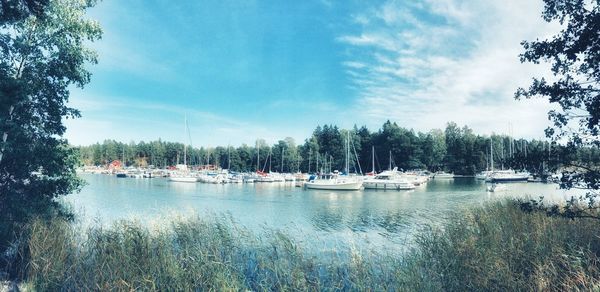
pixel 497 247
pixel 501 248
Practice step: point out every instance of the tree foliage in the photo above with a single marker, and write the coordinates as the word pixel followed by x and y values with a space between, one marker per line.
pixel 574 56
pixel 41 55
pixel 14 10
pixel 456 149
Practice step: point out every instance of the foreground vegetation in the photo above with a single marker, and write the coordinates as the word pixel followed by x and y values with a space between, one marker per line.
pixel 497 247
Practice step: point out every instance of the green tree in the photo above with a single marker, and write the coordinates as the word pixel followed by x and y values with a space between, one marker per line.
pixel 40 57
pixel 15 10
pixel 362 141
pixel 309 152
pixel 574 55
pixel 434 154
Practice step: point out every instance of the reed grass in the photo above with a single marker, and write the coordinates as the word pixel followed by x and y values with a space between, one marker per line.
pixel 496 247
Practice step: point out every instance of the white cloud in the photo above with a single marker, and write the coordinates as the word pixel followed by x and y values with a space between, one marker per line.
pixel 464 69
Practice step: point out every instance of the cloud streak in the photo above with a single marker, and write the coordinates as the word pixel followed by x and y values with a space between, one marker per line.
pixel 432 62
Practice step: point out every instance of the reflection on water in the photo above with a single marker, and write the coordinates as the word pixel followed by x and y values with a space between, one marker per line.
pixel 380 217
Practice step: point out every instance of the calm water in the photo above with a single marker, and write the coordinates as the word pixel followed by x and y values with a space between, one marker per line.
pixel 362 218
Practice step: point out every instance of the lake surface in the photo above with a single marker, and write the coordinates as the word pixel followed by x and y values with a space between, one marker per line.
pixel 367 218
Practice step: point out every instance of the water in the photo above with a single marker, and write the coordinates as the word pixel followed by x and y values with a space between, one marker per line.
pixel 367 218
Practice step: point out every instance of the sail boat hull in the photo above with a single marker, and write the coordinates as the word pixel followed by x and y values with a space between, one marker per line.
pixel 186 179
pixel 509 178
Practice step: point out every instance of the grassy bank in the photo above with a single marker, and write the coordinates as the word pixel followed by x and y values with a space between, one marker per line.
pixel 497 247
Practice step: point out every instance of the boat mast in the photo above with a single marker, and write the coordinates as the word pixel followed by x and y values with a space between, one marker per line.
pixel 184 144
pixel 491 153
pixel 228 157
pixel 502 147
pixel 348 153
pixel 309 154
pixel 257 156
pixel 357 160
pixel 330 163
pixel 318 162
pixel 282 159
pixel 390 166
pixel 373 158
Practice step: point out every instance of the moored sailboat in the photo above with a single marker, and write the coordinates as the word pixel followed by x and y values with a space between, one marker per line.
pixel 183 174
pixel 335 181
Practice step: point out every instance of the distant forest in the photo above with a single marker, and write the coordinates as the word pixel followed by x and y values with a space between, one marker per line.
pixel 455 149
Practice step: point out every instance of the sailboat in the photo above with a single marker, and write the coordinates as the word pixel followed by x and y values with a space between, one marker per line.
pixel 335 181
pixel 184 175
pixel 484 175
pixel 508 175
pixel 263 176
pixel 122 173
pixel 373 172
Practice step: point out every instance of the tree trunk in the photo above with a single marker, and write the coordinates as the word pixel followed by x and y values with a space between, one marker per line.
pixel 12 107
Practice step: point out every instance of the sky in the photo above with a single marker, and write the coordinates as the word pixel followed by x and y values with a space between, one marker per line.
pixel 245 70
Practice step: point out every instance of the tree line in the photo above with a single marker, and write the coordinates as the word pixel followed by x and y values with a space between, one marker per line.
pixel 454 149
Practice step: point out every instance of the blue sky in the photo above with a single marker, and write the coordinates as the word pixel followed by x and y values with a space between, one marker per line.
pixel 242 70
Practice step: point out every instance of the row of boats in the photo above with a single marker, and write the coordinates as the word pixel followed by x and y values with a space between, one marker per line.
pixel 386 180
pixel 234 177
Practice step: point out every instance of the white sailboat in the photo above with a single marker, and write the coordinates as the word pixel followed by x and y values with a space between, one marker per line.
pixel 183 175
pixel 484 175
pixel 335 181
pixel 507 175
pixel 373 172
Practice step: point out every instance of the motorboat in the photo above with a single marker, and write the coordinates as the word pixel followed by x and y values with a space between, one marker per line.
pixel 388 180
pixel 335 182
pixel 443 175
